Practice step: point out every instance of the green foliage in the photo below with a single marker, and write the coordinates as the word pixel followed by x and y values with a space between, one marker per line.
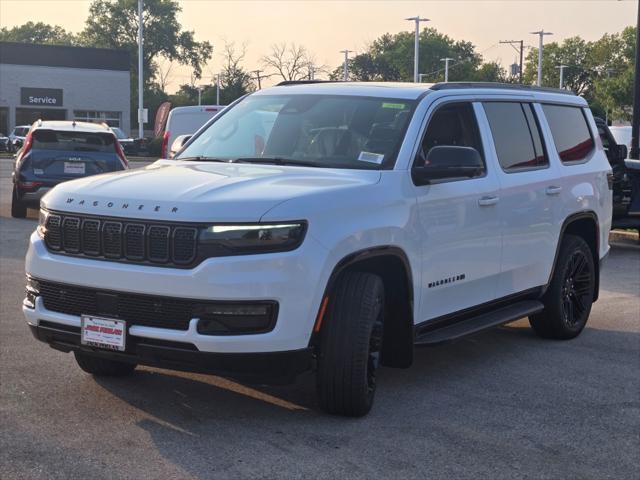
pixel 390 58
pixel 601 71
pixel 38 32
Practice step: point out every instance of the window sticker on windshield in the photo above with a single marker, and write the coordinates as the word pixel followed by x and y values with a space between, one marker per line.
pixel 397 106
pixel 38 171
pixel 371 157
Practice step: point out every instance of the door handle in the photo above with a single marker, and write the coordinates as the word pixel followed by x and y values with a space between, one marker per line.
pixel 553 190
pixel 488 200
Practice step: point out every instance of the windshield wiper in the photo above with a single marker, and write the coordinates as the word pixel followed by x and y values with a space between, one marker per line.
pixel 275 161
pixel 203 159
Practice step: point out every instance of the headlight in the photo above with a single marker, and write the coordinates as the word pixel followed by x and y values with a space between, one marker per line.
pixel 219 240
pixel 42 222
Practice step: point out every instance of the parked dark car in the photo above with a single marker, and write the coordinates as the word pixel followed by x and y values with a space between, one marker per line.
pixel 131 146
pixel 4 143
pixel 57 151
pixel 17 136
pixel 626 180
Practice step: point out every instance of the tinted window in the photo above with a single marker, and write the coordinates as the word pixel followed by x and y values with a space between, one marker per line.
pixel 73 141
pixel 570 132
pixel 453 125
pixel 324 130
pixel 516 135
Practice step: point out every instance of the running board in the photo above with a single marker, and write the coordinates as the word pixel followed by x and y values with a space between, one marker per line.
pixel 479 323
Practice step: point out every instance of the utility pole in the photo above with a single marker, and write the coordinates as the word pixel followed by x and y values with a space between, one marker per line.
pixel 218 89
pixel 446 68
pixel 416 50
pixel 519 50
pixel 541 33
pixel 199 94
pixel 345 75
pixel 258 72
pixel 561 68
pixel 635 122
pixel 140 71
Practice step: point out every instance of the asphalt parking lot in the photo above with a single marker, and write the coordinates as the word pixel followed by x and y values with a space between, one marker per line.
pixel 503 404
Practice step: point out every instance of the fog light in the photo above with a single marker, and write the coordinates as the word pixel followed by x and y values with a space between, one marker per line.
pixel 236 319
pixel 32 291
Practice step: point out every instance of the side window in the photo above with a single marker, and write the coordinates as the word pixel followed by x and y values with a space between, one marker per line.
pixel 516 136
pixel 453 125
pixel 570 132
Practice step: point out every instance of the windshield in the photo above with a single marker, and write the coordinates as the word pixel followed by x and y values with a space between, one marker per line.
pixel 316 130
pixel 73 141
pixel 119 133
pixel 21 131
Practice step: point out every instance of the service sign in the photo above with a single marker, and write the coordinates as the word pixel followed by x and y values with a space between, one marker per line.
pixel 44 97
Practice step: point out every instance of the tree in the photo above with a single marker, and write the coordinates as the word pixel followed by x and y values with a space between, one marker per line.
pixel 235 81
pixel 115 25
pixel 291 62
pixel 38 33
pixel 390 58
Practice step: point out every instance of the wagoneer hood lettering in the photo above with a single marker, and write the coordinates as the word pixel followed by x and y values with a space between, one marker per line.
pixel 199 191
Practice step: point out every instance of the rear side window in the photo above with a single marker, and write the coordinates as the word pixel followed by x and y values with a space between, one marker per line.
pixel 570 132
pixel 516 136
pixel 73 141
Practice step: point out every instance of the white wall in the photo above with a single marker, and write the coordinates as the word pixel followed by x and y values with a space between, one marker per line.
pixel 83 89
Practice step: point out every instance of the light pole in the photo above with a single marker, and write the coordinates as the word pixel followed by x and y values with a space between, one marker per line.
pixel 420 75
pixel 218 89
pixel 345 74
pixel 418 19
pixel 140 72
pixel 541 33
pixel 561 68
pixel 199 87
pixel 446 68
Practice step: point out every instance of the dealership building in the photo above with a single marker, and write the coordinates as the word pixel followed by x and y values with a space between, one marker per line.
pixel 52 82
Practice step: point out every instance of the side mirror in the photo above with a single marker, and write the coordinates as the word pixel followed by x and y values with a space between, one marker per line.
pixel 448 162
pixel 622 152
pixel 178 143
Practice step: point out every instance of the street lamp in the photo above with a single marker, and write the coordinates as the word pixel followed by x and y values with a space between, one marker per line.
pixel 140 72
pixel 417 19
pixel 541 33
pixel 561 68
pixel 345 73
pixel 446 68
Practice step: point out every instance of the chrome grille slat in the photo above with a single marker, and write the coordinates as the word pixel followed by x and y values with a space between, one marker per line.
pixel 115 239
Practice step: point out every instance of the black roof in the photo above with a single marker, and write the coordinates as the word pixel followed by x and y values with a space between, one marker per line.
pixel 64 56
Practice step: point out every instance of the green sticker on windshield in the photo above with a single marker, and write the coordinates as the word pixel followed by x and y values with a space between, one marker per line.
pixel 397 106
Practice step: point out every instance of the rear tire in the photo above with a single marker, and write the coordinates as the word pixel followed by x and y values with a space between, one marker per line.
pixel 102 367
pixel 351 344
pixel 568 300
pixel 18 209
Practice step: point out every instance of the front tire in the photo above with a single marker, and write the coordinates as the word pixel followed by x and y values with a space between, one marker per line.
pixel 568 300
pixel 351 343
pixel 103 367
pixel 18 209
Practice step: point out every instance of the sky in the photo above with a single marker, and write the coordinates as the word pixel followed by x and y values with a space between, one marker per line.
pixel 326 27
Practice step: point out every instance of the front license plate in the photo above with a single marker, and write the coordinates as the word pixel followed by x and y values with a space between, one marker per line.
pixel 76 168
pixel 102 332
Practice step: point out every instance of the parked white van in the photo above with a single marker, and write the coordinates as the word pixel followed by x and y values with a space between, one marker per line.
pixel 186 121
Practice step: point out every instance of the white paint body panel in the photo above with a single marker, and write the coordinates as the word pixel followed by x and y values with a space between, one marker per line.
pixel 502 249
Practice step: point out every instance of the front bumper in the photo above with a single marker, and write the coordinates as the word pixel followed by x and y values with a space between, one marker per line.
pixel 295 280
pixel 269 367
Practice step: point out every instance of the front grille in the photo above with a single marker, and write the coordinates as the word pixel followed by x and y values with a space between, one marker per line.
pixel 135 309
pixel 113 239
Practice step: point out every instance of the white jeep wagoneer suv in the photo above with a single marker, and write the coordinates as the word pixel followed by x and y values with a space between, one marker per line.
pixel 332 227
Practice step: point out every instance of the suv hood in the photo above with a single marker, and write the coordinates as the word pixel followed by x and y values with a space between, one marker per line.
pixel 199 191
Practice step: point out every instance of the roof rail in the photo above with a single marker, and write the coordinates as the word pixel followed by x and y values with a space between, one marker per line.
pixel 301 82
pixel 510 86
